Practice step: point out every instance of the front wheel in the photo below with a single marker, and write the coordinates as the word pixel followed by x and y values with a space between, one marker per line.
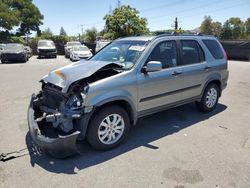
pixel 209 99
pixel 108 128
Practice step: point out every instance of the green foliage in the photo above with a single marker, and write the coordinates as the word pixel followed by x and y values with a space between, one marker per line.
pixel 4 36
pixel 63 32
pixel 90 35
pixel 206 26
pixel 21 13
pixel 216 28
pixel 226 32
pixel 237 27
pixel 47 33
pixel 232 29
pixel 8 17
pixel 17 39
pixel 124 21
pixel 247 29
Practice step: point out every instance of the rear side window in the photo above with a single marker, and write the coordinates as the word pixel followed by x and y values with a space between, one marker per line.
pixel 214 48
pixel 191 52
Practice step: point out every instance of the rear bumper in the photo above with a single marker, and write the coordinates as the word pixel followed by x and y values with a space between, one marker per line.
pixel 60 147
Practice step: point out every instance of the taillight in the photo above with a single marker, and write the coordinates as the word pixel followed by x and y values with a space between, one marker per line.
pixel 224 52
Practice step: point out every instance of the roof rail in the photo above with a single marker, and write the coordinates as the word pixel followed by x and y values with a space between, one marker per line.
pixel 178 34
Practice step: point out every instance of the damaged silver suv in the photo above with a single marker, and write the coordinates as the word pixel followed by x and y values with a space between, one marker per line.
pixel 100 98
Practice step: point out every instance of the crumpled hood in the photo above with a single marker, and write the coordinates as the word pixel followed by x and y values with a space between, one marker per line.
pixel 73 72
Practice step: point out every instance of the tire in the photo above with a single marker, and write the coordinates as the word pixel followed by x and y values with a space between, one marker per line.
pixel 115 132
pixel 209 98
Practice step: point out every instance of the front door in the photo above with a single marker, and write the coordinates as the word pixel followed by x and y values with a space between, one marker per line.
pixel 156 89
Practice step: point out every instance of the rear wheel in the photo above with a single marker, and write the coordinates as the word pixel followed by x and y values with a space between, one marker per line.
pixel 209 99
pixel 108 128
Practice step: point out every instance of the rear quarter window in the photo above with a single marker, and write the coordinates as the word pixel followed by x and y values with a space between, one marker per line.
pixel 214 48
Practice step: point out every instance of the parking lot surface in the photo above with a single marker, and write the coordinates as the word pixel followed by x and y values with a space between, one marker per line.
pixel 176 148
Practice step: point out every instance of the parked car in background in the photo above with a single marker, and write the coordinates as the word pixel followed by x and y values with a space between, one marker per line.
pixel 1 48
pixel 14 52
pixel 68 46
pixel 46 48
pixel 101 98
pixel 80 52
pixel 100 45
pixel 29 51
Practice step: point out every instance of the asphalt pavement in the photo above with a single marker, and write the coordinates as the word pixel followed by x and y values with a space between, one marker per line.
pixel 176 148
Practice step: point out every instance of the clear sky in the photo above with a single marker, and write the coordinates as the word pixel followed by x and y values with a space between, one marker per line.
pixel 73 15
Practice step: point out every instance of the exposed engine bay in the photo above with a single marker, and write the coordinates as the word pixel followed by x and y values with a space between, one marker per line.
pixel 56 112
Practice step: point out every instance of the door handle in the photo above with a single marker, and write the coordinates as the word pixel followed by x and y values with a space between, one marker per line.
pixel 176 73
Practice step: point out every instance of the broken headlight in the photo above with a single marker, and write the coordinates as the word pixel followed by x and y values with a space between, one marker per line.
pixel 75 102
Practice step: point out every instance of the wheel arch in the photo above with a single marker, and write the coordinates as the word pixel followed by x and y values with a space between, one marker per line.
pixel 123 102
pixel 216 81
pixel 83 123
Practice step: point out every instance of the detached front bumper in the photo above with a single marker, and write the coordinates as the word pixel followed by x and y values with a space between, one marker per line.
pixel 60 147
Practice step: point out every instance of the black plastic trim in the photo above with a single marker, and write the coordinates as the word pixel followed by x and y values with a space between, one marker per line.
pixel 168 93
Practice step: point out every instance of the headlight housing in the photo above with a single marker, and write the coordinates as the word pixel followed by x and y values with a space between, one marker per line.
pixel 76 102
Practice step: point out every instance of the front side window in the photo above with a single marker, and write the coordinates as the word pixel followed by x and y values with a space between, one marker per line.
pixel 166 53
pixel 124 52
pixel 191 52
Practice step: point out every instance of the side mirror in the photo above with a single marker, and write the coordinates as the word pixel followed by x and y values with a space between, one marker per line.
pixel 152 66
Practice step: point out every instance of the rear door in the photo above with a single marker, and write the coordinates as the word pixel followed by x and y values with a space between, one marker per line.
pixel 195 69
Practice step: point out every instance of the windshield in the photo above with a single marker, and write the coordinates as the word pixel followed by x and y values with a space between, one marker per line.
pixel 125 52
pixel 73 43
pixel 13 47
pixel 46 43
pixel 80 48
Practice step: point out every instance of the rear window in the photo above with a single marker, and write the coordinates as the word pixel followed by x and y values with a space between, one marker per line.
pixel 214 48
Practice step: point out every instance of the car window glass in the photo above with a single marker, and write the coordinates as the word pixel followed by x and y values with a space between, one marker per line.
pixel 166 53
pixel 191 52
pixel 214 48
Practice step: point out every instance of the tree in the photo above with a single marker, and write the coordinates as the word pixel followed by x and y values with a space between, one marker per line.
pixel 8 17
pixel 236 26
pixel 216 28
pixel 124 21
pixel 206 26
pixel 63 32
pixel 247 29
pixel 90 35
pixel 21 13
pixel 226 32
pixel 47 33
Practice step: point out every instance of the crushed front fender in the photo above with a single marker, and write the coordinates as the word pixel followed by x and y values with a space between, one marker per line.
pixel 60 146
